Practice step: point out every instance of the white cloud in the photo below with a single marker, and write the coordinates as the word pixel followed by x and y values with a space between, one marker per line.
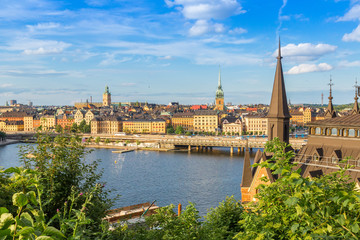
pixel 111 60
pixel 43 26
pixel 352 14
pixel 168 57
pixel 307 68
pixel 207 9
pixel 226 40
pixel 349 64
pixel 202 27
pixel 238 31
pixel 34 46
pixel 354 36
pixel 305 51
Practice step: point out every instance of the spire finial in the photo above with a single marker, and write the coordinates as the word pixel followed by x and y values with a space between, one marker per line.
pixel 356 90
pixel 219 85
pixel 330 84
pixel 279 50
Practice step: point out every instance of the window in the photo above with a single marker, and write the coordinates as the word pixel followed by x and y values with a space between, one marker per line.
pixel 317 131
pixel 334 159
pixel 334 132
pixel 316 157
pixel 351 133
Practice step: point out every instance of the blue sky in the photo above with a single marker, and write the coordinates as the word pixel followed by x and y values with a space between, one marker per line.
pixel 60 52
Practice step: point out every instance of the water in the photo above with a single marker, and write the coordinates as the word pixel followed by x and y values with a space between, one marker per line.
pixel 204 178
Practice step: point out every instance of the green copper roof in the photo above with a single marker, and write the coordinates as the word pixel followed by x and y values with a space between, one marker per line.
pixel 107 90
pixel 219 91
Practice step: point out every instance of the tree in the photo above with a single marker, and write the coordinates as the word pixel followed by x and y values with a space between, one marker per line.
pixel 2 136
pixel 82 125
pixel 170 129
pixel 294 207
pixel 107 141
pixel 74 128
pixel 87 128
pixel 62 169
pixel 179 130
pixel 188 133
pixel 97 140
pixel 58 129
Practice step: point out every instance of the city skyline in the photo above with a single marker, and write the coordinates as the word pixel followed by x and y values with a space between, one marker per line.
pixel 57 53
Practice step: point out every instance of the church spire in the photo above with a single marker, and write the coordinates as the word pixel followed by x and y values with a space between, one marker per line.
pixel 219 84
pixel 356 105
pixel 247 174
pixel 330 113
pixel 279 115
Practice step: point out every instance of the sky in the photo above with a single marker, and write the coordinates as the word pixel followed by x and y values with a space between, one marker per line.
pixel 160 51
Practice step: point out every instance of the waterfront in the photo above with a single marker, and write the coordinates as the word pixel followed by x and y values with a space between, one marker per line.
pixel 204 178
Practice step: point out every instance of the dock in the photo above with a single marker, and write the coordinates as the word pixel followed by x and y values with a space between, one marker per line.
pixel 123 151
pixel 130 212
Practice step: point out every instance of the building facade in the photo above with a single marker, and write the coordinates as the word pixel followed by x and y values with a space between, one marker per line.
pixel 206 121
pixel 185 120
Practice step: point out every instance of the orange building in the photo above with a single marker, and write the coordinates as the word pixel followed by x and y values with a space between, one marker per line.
pixel 185 120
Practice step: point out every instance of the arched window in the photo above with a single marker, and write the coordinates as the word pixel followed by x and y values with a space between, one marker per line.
pixel 328 133
pixel 316 158
pixel 334 132
pixel 317 131
pixel 351 133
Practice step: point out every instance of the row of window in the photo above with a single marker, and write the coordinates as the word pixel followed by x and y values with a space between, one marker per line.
pixel 338 132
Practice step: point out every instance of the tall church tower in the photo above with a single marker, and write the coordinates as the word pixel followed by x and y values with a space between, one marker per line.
pixel 279 116
pixel 219 99
pixel 107 97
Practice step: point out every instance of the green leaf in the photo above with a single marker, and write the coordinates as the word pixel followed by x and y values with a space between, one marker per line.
pixel 32 197
pixel 19 199
pixel 299 210
pixel 3 210
pixel 12 170
pixel 5 233
pixel 53 232
pixel 44 238
pixel 329 228
pixel 294 227
pixel 26 219
pixel 291 201
pixel 25 231
pixel 355 228
pixel 5 220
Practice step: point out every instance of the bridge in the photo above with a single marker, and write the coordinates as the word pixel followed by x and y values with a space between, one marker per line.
pixel 240 144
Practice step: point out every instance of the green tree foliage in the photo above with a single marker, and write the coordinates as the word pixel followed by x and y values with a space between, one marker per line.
pixel 58 129
pixel 170 129
pixel 295 207
pixel 2 136
pixel 107 141
pixel 74 128
pixel 62 170
pixel 97 140
pixel 188 133
pixel 179 130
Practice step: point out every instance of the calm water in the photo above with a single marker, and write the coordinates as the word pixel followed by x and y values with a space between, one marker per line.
pixel 204 178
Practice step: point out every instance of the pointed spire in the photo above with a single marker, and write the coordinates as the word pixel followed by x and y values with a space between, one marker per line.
pixel 330 113
pixel 279 105
pixel 356 105
pixel 247 174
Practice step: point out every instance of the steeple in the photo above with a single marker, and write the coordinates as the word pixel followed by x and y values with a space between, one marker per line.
pixel 247 174
pixel 330 113
pixel 107 97
pixel 279 116
pixel 356 105
pixel 219 91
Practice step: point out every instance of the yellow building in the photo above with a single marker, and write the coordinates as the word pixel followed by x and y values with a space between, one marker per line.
pixel 79 116
pixel 185 120
pixel 297 117
pixel 90 115
pixel 232 125
pixel 156 126
pixel 206 121
pixel 48 122
pixel 28 123
pixel 106 125
pixel 12 126
pixel 256 124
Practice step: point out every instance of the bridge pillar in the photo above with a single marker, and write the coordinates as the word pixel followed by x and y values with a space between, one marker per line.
pixel 189 148
pixel 210 148
pixel 197 148
pixel 231 150
pixel 251 149
pixel 239 149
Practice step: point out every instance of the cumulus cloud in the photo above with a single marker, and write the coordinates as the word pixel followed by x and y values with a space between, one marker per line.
pixel 203 11
pixel 35 46
pixel 203 26
pixel 307 68
pixel 354 36
pixel 306 51
pixel 207 9
pixel 352 14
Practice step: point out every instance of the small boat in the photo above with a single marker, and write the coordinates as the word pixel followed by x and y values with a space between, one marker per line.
pixel 131 212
